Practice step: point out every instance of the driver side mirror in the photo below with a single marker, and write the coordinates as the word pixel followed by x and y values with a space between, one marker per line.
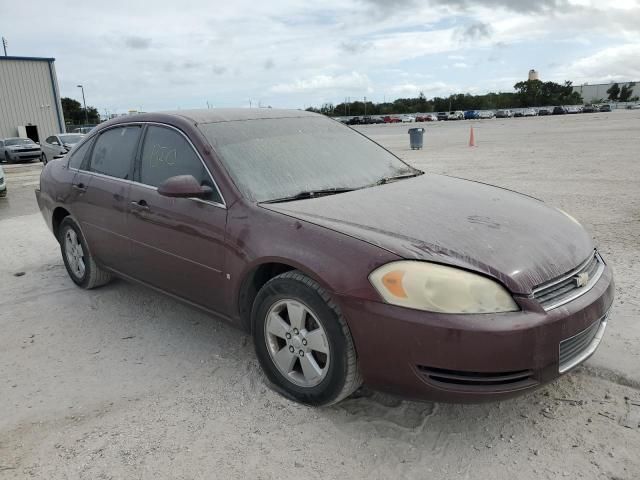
pixel 183 186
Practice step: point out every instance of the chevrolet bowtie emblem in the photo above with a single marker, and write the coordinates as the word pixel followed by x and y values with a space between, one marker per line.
pixel 581 279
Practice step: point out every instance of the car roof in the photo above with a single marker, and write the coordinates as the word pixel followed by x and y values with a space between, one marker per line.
pixel 217 115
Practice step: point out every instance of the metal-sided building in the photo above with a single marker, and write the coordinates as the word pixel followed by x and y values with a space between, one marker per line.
pixel 29 98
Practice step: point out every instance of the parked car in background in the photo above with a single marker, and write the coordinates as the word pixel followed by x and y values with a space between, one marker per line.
pixel 3 183
pixel 17 149
pixel 559 111
pixel 354 121
pixel 83 130
pixel 504 114
pixel 323 269
pixel 589 108
pixel 518 114
pixel 634 107
pixel 456 115
pixel 529 112
pixel 471 115
pixel 390 119
pixel 408 119
pixel 574 109
pixel 442 116
pixel 486 114
pixel 605 108
pixel 429 117
pixel 59 145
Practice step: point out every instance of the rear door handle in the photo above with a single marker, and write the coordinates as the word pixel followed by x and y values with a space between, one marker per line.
pixel 140 205
pixel 81 187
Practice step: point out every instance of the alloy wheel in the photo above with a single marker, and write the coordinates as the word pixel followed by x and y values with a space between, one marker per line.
pixel 297 343
pixel 74 253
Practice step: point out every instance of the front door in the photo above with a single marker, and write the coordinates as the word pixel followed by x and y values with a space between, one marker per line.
pixel 177 243
pixel 100 193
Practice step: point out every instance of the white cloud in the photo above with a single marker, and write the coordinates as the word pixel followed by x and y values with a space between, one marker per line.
pixel 348 82
pixel 619 63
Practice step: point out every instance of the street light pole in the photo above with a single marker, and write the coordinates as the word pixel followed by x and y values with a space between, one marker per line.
pixel 4 45
pixel 86 114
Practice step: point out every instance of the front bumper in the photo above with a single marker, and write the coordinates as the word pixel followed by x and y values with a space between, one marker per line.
pixel 17 156
pixel 472 358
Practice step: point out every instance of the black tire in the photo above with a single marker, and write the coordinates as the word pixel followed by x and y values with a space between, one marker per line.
pixel 6 158
pixel 342 377
pixel 93 275
pixel 43 158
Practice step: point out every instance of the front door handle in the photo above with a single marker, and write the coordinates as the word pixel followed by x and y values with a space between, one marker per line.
pixel 81 187
pixel 140 205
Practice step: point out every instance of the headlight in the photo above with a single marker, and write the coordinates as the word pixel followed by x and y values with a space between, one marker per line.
pixel 436 288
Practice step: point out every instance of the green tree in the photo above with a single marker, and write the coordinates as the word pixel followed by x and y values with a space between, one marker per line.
pixel 626 91
pixel 613 92
pixel 74 113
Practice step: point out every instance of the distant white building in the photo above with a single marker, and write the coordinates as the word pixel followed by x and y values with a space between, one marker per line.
pixel 533 75
pixel 598 92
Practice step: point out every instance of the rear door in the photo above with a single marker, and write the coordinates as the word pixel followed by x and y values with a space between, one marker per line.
pixel 102 191
pixel 177 243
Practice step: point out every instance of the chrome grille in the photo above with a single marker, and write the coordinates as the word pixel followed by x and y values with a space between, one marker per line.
pixel 578 348
pixel 21 150
pixel 571 285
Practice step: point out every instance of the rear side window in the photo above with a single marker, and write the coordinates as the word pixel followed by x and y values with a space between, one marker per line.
pixel 114 151
pixel 79 154
pixel 166 153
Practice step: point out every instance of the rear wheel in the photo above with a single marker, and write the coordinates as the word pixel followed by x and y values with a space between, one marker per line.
pixel 43 158
pixel 6 157
pixel 78 261
pixel 303 342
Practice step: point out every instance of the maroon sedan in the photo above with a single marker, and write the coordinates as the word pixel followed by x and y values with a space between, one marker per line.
pixel 346 264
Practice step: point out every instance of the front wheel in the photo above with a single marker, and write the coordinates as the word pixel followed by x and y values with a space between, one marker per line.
pixel 78 261
pixel 43 158
pixel 302 341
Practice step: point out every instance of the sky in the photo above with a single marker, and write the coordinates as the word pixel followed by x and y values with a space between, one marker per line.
pixel 166 55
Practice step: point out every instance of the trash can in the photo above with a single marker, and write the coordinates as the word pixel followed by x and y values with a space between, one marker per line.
pixel 415 138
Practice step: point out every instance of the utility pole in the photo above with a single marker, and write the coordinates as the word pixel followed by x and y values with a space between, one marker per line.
pixel 4 45
pixel 365 106
pixel 86 114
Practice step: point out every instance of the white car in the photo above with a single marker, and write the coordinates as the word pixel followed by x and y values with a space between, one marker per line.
pixel 486 114
pixel 3 184
pixel 17 149
pixel 457 115
pixel 58 145
pixel 529 112
pixel 408 119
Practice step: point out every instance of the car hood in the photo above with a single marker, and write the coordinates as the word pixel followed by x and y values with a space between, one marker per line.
pixel 512 237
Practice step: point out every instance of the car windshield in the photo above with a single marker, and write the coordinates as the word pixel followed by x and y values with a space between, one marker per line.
pixel 18 141
pixel 278 158
pixel 71 138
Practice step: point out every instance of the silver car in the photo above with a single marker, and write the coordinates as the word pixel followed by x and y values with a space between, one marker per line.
pixel 57 146
pixel 19 150
pixel 3 184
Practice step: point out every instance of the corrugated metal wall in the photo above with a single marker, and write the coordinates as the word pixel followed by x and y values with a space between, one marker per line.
pixel 29 95
pixel 596 92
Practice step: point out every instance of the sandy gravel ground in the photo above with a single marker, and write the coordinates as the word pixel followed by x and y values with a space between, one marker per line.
pixel 121 382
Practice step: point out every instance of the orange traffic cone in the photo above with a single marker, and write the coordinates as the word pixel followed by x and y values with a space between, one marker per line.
pixel 472 139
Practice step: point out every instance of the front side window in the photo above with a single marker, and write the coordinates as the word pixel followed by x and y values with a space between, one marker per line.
pixel 166 153
pixel 51 140
pixel 78 155
pixel 114 151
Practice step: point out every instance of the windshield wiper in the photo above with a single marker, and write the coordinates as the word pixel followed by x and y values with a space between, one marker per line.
pixel 311 194
pixel 384 180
